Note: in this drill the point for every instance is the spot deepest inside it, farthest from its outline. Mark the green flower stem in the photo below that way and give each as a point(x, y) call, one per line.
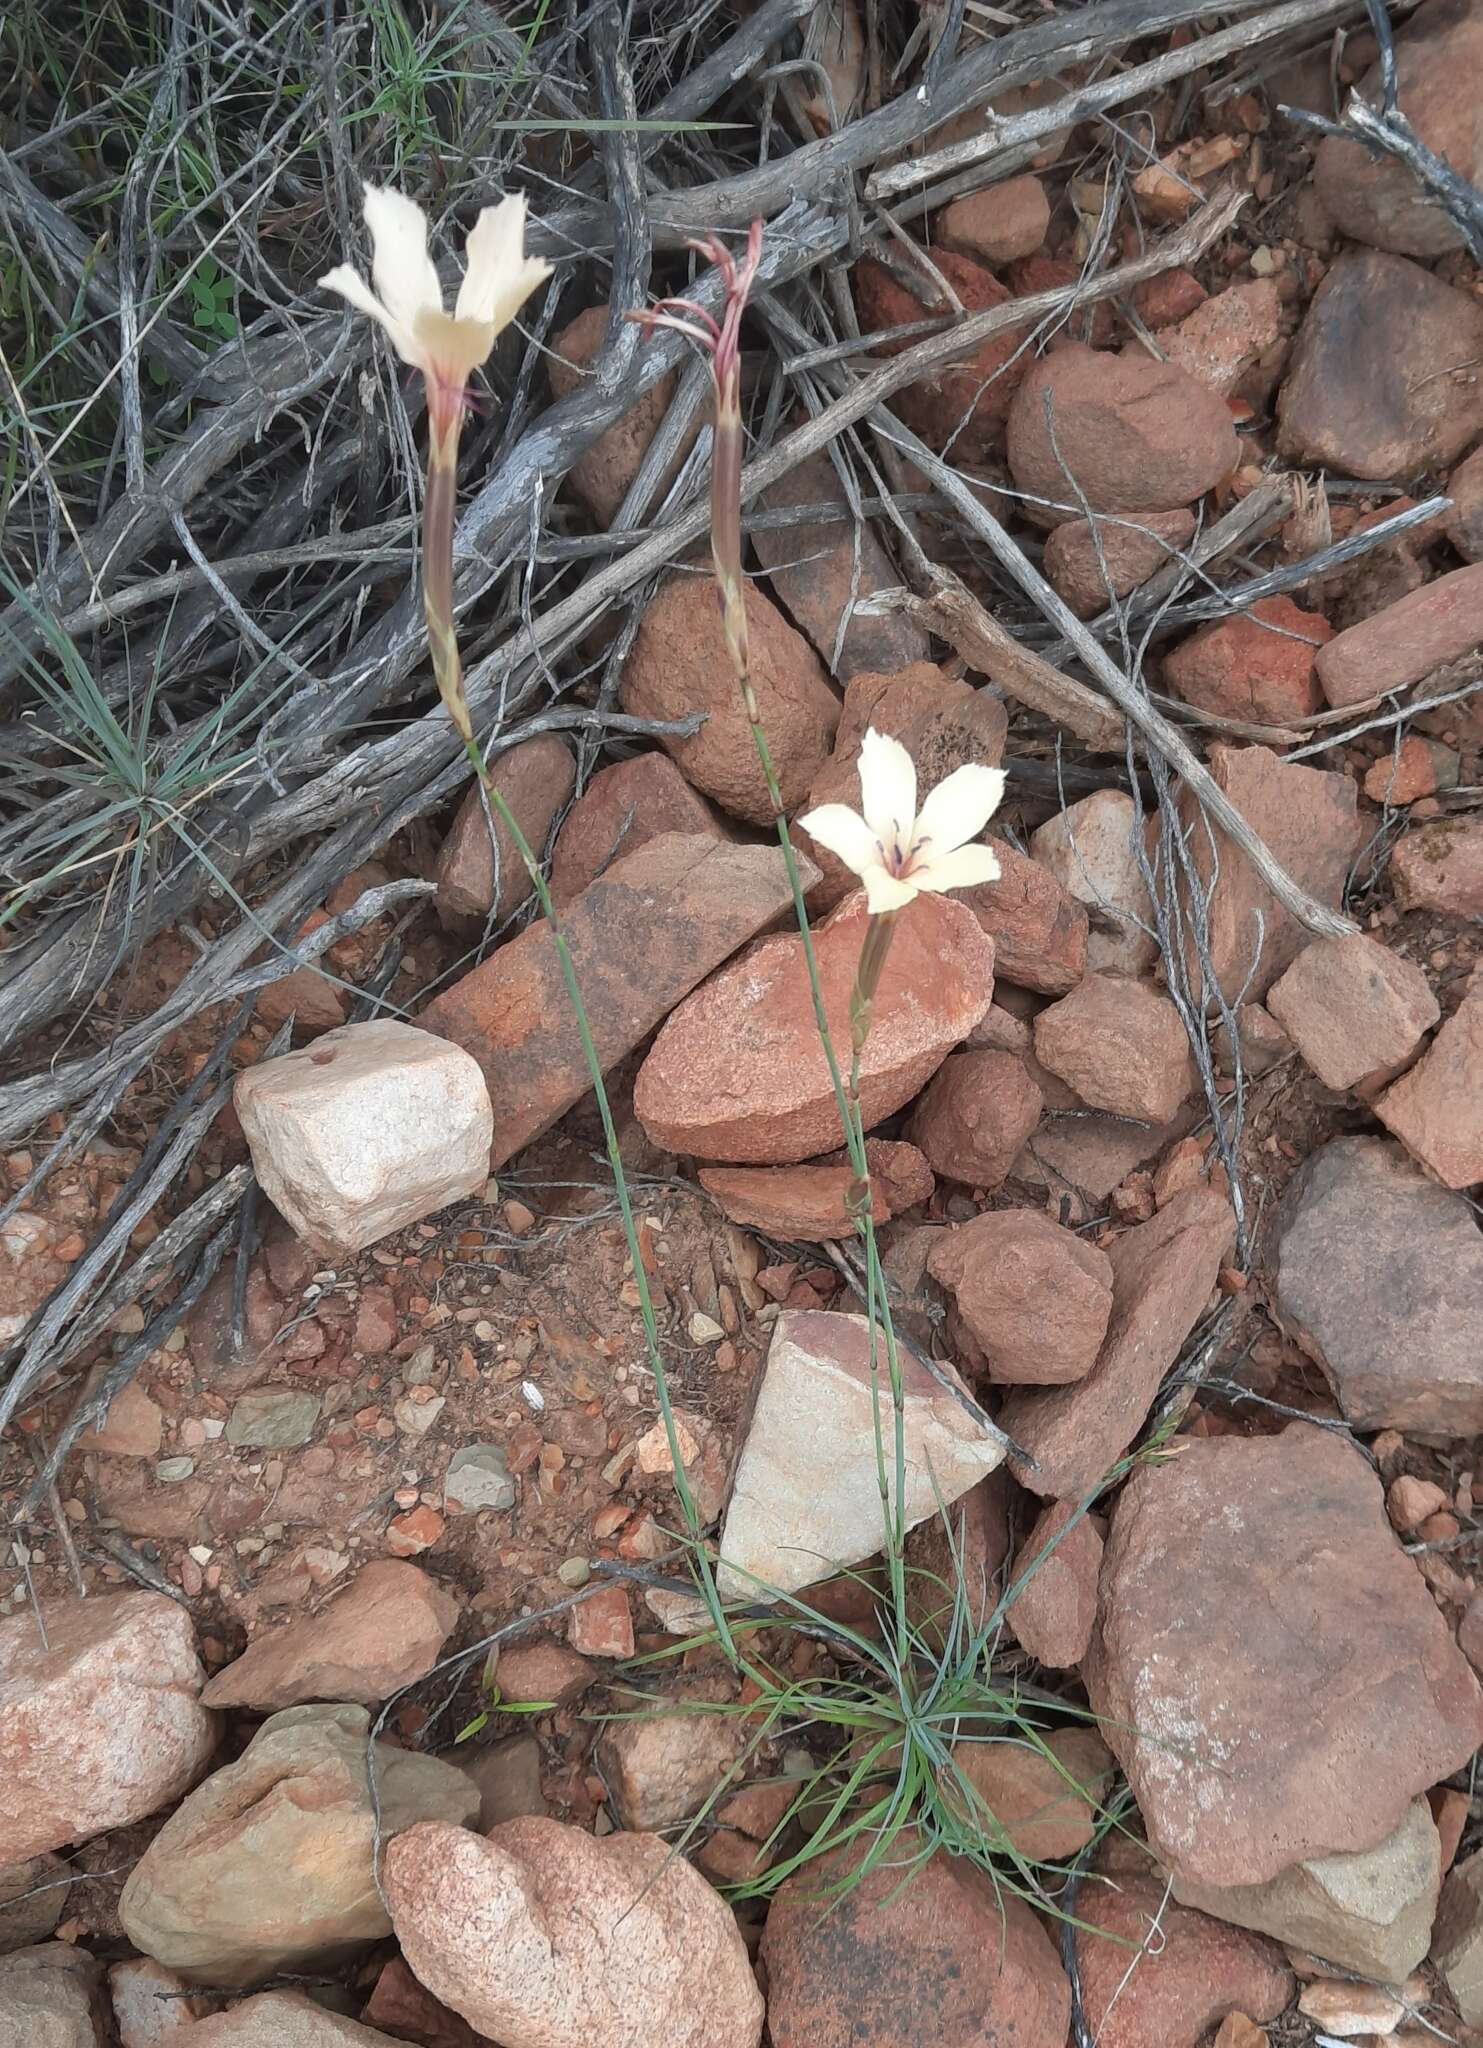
point(448, 672)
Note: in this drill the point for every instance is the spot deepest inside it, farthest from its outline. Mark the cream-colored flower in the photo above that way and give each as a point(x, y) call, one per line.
point(408, 300)
point(897, 850)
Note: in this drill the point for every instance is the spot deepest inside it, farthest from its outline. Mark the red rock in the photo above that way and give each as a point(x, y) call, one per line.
point(1131, 551)
point(132, 1426)
point(1137, 435)
point(1191, 1973)
point(641, 937)
point(1162, 1274)
point(942, 722)
point(1092, 848)
point(1282, 1539)
point(382, 1631)
point(377, 1324)
point(407, 2010)
point(101, 1722)
point(308, 995)
point(507, 1776)
point(975, 1115)
point(1470, 1633)
point(1170, 297)
point(1090, 326)
point(1045, 1798)
point(738, 1073)
point(1378, 1273)
point(958, 1555)
point(1392, 649)
point(602, 476)
point(543, 1937)
point(679, 664)
point(908, 1955)
point(1436, 1110)
point(1238, 669)
point(1036, 1298)
point(960, 403)
point(410, 1534)
point(622, 808)
point(809, 1202)
point(1120, 1045)
point(1039, 930)
point(1463, 525)
point(818, 571)
point(1440, 867)
point(1353, 1008)
point(1085, 1156)
point(543, 1670)
point(1052, 1618)
point(535, 779)
point(1409, 773)
point(1376, 385)
point(602, 1624)
point(1373, 197)
point(901, 1170)
point(997, 223)
point(1220, 340)
point(1309, 821)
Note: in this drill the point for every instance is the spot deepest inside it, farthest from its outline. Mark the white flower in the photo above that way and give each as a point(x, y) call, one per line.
point(897, 850)
point(408, 300)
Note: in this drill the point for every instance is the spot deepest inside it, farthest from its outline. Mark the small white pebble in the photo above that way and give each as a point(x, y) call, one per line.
point(531, 1394)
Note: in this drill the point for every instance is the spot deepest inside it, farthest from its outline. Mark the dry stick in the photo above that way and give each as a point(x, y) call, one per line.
point(1087, 100)
point(1157, 732)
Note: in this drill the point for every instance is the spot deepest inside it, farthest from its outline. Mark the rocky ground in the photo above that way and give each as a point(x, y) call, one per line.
point(343, 1680)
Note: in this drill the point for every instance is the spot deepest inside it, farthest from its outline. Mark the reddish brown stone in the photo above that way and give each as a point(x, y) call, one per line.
point(958, 1555)
point(1436, 1110)
point(383, 1631)
point(738, 1073)
point(1464, 523)
point(1077, 325)
point(1137, 435)
point(622, 808)
point(1399, 646)
point(377, 1324)
point(1170, 297)
point(1239, 669)
point(407, 2011)
point(1035, 1298)
point(931, 1953)
point(1051, 1619)
point(679, 664)
point(542, 1669)
point(1044, 1798)
point(1378, 383)
point(1308, 819)
point(1353, 1008)
point(1191, 1973)
point(1039, 931)
point(997, 223)
point(817, 572)
point(1220, 340)
point(942, 722)
point(1440, 867)
point(960, 402)
point(1280, 1539)
point(535, 779)
point(974, 1117)
point(641, 937)
point(602, 1624)
point(1410, 772)
point(1120, 1045)
point(811, 1202)
point(308, 995)
point(1131, 550)
point(1162, 1275)
point(602, 476)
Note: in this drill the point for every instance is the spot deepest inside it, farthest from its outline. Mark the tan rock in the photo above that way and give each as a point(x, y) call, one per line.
point(1091, 849)
point(32, 1895)
point(998, 222)
point(535, 779)
point(1035, 1297)
point(543, 1937)
point(1369, 1910)
point(1051, 1618)
point(267, 1866)
point(151, 2005)
point(641, 936)
point(1391, 649)
point(1120, 1045)
point(1225, 335)
point(132, 1427)
point(1441, 867)
point(806, 1499)
point(1353, 1008)
point(102, 1723)
point(661, 1768)
point(1083, 558)
point(373, 1127)
point(1045, 1798)
point(679, 664)
point(380, 1632)
point(1457, 1946)
point(284, 2019)
point(737, 1073)
point(52, 1997)
point(1436, 1110)
point(542, 1669)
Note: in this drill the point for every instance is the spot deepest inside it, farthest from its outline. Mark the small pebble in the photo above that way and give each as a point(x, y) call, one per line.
point(169, 1470)
point(574, 1572)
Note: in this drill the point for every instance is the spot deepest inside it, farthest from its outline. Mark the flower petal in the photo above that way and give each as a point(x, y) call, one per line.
point(454, 348)
point(499, 277)
point(352, 286)
point(401, 269)
point(888, 791)
point(958, 809)
point(845, 834)
point(962, 867)
point(884, 891)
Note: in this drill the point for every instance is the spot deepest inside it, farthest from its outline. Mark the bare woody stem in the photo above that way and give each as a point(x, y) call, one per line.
point(439, 508)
